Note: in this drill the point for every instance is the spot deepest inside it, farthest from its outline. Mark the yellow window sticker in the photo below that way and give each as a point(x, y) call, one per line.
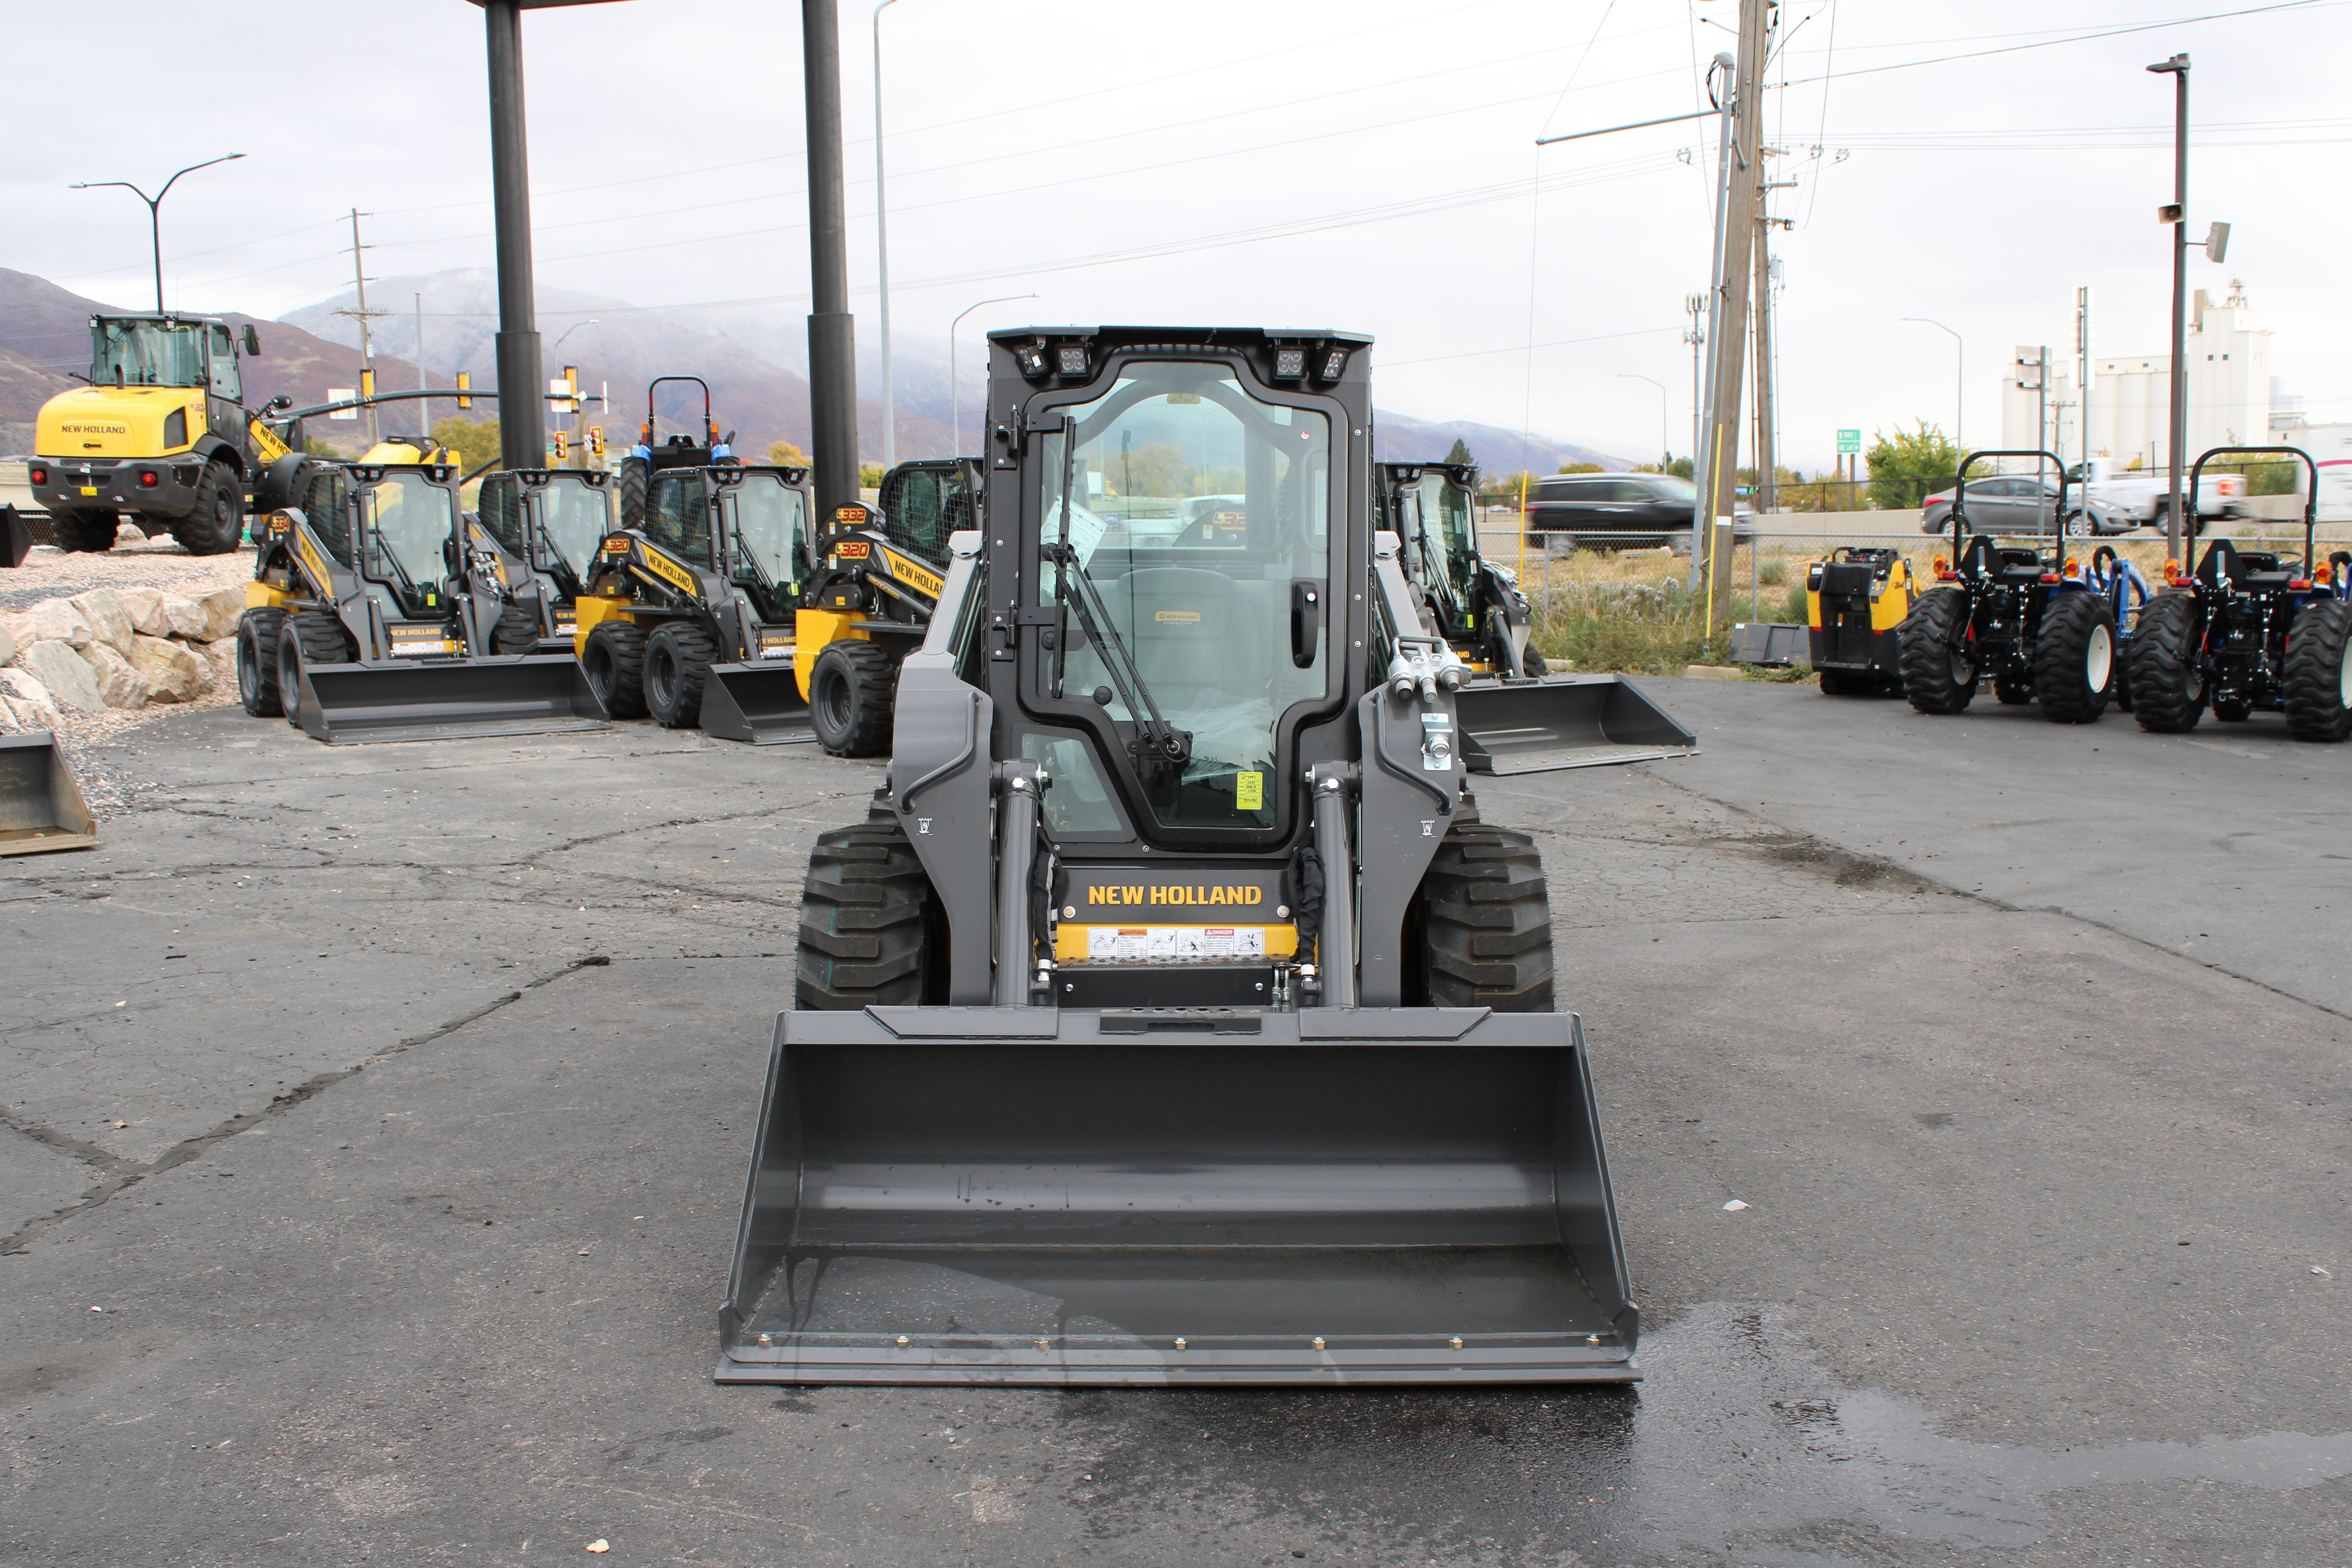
point(1249, 792)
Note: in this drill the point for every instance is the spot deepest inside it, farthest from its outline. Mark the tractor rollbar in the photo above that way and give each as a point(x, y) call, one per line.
point(1960, 495)
point(2310, 490)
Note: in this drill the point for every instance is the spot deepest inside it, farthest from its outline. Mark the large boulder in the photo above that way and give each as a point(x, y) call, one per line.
point(173, 674)
point(52, 620)
point(222, 654)
point(64, 675)
point(184, 617)
point(127, 534)
point(8, 644)
point(103, 609)
point(223, 607)
point(24, 693)
point(120, 684)
point(145, 608)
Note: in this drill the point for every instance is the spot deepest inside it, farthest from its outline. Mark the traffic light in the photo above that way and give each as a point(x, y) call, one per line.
point(561, 447)
point(464, 381)
point(596, 442)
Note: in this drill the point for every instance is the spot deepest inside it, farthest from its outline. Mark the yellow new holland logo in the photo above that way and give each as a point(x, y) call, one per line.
point(914, 573)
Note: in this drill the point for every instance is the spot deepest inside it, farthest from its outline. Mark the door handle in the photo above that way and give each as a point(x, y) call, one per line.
point(1306, 620)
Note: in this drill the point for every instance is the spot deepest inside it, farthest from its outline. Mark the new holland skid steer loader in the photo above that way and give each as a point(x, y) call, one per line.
point(877, 583)
point(548, 524)
point(379, 612)
point(689, 617)
point(1433, 509)
point(1173, 1017)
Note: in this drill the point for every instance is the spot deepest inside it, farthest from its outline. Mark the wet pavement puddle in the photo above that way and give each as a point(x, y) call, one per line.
point(1736, 1449)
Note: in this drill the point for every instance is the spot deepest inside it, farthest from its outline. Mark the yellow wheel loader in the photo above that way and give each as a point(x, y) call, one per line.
point(380, 612)
point(1173, 1016)
point(688, 617)
point(161, 436)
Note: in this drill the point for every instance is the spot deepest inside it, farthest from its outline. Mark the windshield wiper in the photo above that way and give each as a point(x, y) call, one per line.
point(1074, 590)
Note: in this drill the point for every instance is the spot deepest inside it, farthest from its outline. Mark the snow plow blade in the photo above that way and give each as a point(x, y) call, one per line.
point(1564, 721)
point(529, 694)
point(40, 805)
point(1169, 1197)
point(761, 703)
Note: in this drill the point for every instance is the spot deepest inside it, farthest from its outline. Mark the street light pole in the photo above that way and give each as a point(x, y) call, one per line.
point(882, 256)
point(1960, 382)
point(156, 210)
point(955, 403)
point(2177, 67)
point(1665, 451)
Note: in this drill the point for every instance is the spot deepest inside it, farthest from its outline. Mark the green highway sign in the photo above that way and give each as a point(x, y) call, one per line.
point(1849, 441)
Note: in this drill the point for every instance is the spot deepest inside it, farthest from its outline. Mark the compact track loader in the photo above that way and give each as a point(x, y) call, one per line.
point(1173, 1017)
point(2248, 631)
point(877, 585)
point(652, 454)
point(689, 617)
point(380, 612)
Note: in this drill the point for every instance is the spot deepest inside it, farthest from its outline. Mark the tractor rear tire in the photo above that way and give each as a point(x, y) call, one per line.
point(84, 528)
point(614, 663)
point(257, 631)
point(2075, 658)
point(852, 688)
point(636, 475)
point(1939, 676)
point(871, 933)
point(2319, 672)
point(2168, 682)
point(517, 631)
point(678, 656)
point(215, 525)
point(1480, 931)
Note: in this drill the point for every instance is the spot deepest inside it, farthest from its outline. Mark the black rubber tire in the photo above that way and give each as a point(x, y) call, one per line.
point(1533, 662)
point(2011, 693)
point(2232, 712)
point(2076, 648)
point(215, 525)
point(1932, 676)
point(2167, 687)
point(1847, 683)
point(1480, 930)
point(629, 488)
point(870, 929)
point(2318, 670)
point(258, 632)
point(320, 638)
point(79, 530)
point(517, 630)
point(852, 688)
point(678, 656)
point(614, 663)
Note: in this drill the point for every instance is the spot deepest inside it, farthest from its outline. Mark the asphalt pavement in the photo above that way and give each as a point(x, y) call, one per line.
point(375, 1121)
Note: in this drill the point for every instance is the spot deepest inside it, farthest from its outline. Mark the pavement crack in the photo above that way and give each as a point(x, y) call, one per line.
point(119, 1175)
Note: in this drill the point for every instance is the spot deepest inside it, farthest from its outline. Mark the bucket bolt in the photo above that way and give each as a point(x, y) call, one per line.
point(1318, 1341)
point(903, 1341)
point(1179, 1342)
point(1456, 1342)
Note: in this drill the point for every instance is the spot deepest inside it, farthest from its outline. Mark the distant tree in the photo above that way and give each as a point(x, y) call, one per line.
point(1461, 454)
point(1582, 468)
point(869, 476)
point(1681, 469)
point(1506, 488)
point(319, 447)
point(473, 441)
point(1906, 465)
point(784, 455)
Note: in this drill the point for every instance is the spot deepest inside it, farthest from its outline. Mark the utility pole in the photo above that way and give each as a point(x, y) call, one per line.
point(882, 256)
point(833, 341)
point(1768, 442)
point(1695, 305)
point(2176, 214)
point(1737, 203)
point(423, 405)
point(2085, 374)
point(522, 411)
point(363, 315)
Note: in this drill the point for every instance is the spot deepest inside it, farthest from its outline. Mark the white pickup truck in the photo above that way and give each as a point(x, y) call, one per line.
point(2118, 497)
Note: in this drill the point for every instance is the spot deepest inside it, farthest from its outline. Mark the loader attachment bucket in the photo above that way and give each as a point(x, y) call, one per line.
point(40, 805)
point(529, 694)
point(1213, 1196)
point(761, 703)
point(1564, 721)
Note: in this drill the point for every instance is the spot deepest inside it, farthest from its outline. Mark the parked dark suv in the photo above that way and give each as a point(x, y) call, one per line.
point(1617, 511)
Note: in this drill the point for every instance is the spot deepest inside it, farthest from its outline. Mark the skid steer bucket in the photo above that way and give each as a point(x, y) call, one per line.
point(761, 703)
point(1564, 721)
point(40, 805)
point(532, 694)
point(1033, 1195)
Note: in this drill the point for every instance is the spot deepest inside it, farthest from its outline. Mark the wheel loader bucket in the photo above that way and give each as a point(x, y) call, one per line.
point(40, 805)
point(761, 703)
point(529, 694)
point(1564, 721)
point(1033, 1195)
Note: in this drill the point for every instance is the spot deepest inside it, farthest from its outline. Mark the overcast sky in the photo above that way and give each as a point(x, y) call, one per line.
point(1360, 164)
